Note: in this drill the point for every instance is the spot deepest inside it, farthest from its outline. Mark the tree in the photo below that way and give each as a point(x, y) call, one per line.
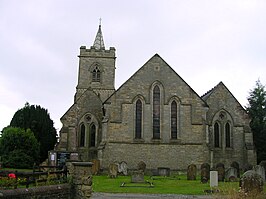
point(257, 112)
point(38, 120)
point(18, 148)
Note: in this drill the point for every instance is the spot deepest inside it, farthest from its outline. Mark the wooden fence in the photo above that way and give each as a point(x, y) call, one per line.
point(43, 174)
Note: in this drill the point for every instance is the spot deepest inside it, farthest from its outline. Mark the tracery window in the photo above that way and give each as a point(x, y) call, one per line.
point(216, 135)
point(156, 112)
point(138, 121)
point(96, 75)
point(82, 135)
point(227, 135)
point(173, 120)
point(92, 135)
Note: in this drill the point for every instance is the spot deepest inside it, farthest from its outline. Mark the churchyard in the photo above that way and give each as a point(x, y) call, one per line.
point(219, 181)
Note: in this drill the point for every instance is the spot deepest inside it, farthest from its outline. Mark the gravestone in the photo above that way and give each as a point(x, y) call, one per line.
point(251, 182)
point(221, 172)
point(260, 171)
point(236, 166)
point(95, 167)
point(141, 166)
point(122, 168)
point(231, 174)
point(213, 178)
point(113, 169)
point(205, 172)
point(137, 177)
point(263, 164)
point(192, 172)
point(164, 171)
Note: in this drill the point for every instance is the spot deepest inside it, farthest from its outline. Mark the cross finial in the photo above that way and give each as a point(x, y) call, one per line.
point(100, 21)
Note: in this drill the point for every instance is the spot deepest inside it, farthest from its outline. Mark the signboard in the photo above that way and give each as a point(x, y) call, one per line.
point(62, 157)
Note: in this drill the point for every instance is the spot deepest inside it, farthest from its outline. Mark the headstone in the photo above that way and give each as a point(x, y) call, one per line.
point(205, 172)
point(113, 169)
point(236, 166)
point(95, 167)
point(192, 172)
point(137, 176)
point(213, 178)
point(263, 164)
point(122, 168)
point(251, 182)
point(141, 166)
point(221, 172)
point(163, 171)
point(260, 170)
point(231, 174)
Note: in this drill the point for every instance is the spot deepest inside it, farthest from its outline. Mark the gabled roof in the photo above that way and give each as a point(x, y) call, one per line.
point(220, 84)
point(156, 55)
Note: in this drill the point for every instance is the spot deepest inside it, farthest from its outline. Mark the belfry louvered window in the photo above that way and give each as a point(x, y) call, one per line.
point(96, 75)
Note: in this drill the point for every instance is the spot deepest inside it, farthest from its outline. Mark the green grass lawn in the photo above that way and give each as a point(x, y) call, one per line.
point(162, 185)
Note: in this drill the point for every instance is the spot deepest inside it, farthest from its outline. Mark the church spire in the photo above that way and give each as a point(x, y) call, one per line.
point(98, 42)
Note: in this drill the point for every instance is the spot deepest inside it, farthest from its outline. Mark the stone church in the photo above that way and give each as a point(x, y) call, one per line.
point(155, 117)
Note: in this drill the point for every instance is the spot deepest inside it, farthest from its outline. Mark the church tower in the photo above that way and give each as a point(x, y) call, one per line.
point(96, 69)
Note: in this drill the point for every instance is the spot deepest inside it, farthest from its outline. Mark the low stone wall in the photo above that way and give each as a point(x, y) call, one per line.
point(48, 192)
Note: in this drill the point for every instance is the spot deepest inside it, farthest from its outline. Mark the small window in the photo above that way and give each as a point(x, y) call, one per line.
point(138, 124)
point(216, 135)
point(173, 120)
point(96, 75)
point(227, 135)
point(92, 136)
point(82, 136)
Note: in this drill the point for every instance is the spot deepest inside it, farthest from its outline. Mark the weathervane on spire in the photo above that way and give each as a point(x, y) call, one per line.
point(100, 21)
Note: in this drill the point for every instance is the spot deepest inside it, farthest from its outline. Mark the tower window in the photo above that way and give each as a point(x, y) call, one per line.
point(156, 112)
point(173, 120)
point(138, 124)
point(96, 75)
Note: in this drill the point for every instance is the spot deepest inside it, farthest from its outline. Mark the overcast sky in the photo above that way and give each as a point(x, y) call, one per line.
point(205, 42)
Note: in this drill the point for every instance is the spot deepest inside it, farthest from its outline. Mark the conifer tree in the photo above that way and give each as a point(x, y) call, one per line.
point(257, 112)
point(37, 119)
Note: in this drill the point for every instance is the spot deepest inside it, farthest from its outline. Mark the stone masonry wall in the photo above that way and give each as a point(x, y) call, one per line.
point(176, 157)
point(62, 191)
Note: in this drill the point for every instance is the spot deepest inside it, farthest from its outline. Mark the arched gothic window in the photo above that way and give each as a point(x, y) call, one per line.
point(156, 112)
point(216, 135)
point(173, 120)
point(82, 135)
point(92, 135)
point(227, 135)
point(138, 122)
point(96, 75)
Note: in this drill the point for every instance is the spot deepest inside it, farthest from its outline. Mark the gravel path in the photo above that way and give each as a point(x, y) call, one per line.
point(147, 196)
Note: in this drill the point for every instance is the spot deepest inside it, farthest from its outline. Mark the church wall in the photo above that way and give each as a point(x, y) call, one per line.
point(176, 157)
